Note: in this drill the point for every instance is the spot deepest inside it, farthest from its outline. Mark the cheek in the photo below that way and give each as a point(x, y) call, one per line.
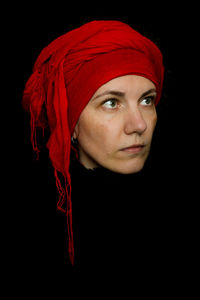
point(152, 123)
point(95, 134)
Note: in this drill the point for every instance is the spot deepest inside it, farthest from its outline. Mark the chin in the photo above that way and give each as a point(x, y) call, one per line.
point(128, 167)
point(130, 170)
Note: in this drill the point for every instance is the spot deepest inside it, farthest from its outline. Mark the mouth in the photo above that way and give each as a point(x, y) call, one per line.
point(137, 148)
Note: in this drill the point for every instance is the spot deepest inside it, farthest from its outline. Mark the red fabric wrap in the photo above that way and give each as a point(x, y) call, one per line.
point(68, 72)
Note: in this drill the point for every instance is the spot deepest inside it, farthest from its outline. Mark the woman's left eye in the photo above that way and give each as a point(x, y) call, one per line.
point(110, 103)
point(148, 101)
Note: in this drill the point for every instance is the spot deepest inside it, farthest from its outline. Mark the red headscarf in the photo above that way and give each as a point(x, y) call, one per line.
point(67, 73)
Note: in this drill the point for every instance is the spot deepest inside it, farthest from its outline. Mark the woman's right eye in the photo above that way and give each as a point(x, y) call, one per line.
point(110, 103)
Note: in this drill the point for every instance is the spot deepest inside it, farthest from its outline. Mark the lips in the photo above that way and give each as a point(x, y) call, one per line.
point(136, 148)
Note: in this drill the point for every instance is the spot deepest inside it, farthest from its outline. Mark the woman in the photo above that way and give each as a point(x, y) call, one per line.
point(96, 88)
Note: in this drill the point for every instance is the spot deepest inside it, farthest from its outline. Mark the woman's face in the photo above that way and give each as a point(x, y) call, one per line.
point(115, 129)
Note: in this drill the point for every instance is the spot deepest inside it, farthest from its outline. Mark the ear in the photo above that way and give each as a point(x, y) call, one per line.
point(76, 131)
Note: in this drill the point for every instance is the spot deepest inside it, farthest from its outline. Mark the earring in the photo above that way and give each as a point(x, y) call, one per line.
point(73, 140)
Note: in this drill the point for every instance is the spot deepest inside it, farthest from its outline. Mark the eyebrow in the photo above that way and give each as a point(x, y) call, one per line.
point(121, 94)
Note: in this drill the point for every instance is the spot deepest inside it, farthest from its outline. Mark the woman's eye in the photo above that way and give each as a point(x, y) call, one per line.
point(111, 103)
point(148, 101)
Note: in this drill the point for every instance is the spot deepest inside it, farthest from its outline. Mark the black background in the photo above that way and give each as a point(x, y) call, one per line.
point(29, 29)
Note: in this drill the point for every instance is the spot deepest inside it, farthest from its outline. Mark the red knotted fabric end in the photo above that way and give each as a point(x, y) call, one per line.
point(65, 195)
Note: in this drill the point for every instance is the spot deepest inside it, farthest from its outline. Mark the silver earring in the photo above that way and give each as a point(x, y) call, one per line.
point(73, 140)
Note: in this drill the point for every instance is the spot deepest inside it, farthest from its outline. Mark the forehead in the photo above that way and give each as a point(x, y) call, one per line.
point(127, 83)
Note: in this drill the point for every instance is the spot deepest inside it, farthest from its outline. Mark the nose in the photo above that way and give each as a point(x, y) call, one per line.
point(135, 122)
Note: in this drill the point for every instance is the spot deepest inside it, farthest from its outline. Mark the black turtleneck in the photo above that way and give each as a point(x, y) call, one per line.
point(136, 222)
point(120, 221)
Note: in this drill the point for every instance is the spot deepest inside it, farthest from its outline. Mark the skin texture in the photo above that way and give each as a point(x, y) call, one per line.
point(118, 116)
